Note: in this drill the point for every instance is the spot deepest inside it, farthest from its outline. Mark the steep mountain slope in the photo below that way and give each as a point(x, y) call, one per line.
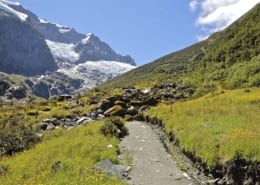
point(89, 47)
point(65, 60)
point(230, 57)
point(22, 48)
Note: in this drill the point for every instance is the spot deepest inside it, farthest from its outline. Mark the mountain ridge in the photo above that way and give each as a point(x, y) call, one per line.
point(54, 58)
point(235, 50)
point(63, 34)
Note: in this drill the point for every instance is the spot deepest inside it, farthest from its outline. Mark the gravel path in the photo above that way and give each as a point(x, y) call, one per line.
point(152, 165)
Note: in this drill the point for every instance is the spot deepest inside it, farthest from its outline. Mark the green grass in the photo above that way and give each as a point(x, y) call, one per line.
point(78, 150)
point(217, 127)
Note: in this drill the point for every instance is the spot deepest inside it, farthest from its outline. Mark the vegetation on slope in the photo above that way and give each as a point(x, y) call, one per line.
point(218, 127)
point(219, 59)
point(63, 157)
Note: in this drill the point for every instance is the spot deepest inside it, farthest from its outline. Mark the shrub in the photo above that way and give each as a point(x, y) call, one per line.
point(16, 138)
point(114, 127)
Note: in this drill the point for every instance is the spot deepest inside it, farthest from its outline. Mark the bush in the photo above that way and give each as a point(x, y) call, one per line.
point(114, 127)
point(16, 138)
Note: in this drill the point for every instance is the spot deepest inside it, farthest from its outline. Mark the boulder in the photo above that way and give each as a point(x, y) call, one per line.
point(43, 126)
point(132, 111)
point(150, 101)
point(104, 105)
point(113, 99)
point(116, 111)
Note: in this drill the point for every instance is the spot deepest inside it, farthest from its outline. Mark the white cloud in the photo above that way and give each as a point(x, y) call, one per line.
point(216, 15)
point(194, 5)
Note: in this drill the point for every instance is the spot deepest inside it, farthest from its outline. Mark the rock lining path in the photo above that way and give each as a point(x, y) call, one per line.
point(152, 165)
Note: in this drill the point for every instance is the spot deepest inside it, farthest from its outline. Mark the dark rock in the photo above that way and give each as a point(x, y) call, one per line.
point(132, 111)
point(150, 101)
point(17, 92)
point(43, 126)
point(3, 87)
point(138, 118)
point(41, 89)
point(23, 49)
point(104, 105)
point(113, 99)
point(64, 97)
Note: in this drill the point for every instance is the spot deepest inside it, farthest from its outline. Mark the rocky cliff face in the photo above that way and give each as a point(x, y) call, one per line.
point(89, 47)
point(56, 59)
point(12, 88)
point(22, 48)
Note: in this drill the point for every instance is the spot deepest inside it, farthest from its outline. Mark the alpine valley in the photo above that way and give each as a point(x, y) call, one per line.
point(190, 117)
point(45, 59)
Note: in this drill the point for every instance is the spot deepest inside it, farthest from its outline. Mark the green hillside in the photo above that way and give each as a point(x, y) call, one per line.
point(230, 57)
point(217, 126)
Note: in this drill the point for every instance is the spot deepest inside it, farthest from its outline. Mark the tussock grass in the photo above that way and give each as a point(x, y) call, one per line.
point(63, 157)
point(217, 127)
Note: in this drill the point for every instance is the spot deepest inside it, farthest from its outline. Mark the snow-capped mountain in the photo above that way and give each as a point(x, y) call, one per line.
point(81, 57)
point(87, 46)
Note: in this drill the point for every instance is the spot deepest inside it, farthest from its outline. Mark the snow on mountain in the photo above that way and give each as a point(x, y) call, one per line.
point(87, 38)
point(63, 52)
point(94, 73)
point(84, 60)
point(5, 6)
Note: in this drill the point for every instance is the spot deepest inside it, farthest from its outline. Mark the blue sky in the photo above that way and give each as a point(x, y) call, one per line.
point(144, 29)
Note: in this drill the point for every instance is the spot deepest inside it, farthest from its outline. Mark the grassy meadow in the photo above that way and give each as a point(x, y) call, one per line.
point(217, 127)
point(63, 157)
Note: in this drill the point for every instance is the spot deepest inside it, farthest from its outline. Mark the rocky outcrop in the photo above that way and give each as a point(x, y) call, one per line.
point(133, 102)
point(12, 90)
point(54, 84)
point(70, 122)
point(22, 48)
